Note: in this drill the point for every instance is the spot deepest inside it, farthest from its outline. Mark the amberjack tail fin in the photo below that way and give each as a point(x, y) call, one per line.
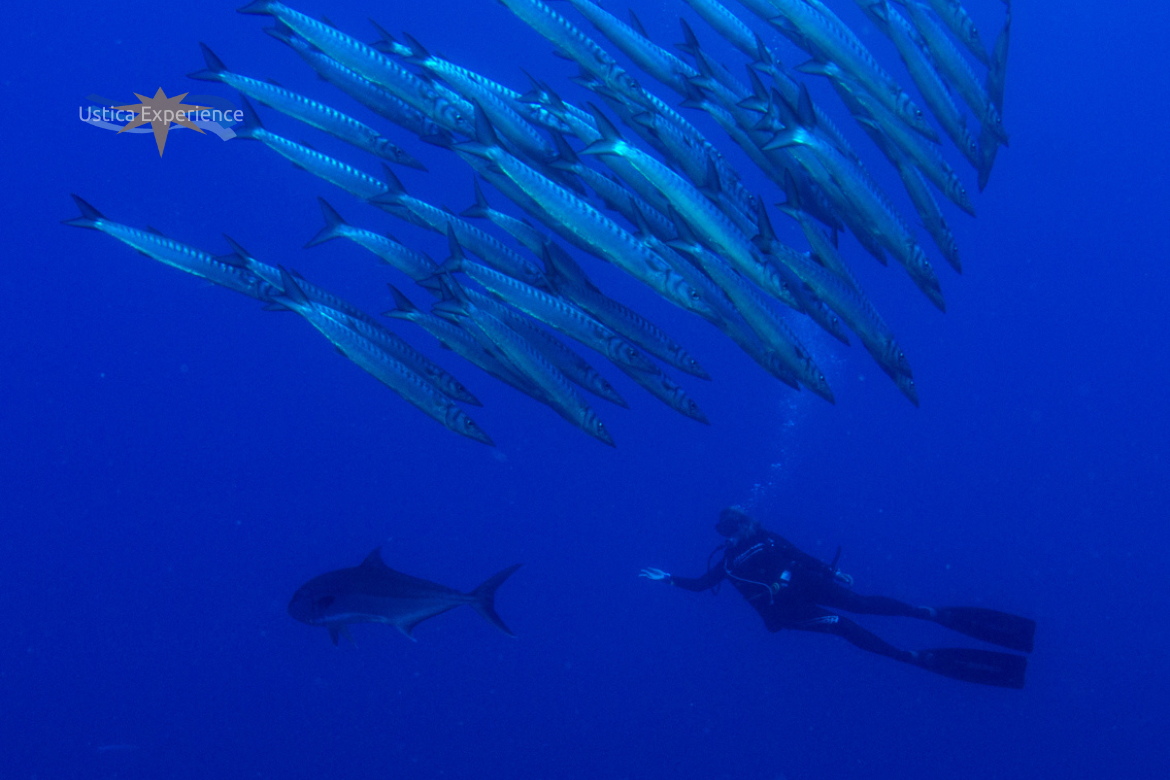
point(334, 224)
point(89, 215)
point(215, 67)
point(485, 603)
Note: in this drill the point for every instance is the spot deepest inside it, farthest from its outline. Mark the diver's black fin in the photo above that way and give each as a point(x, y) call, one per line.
point(999, 628)
point(486, 595)
point(985, 667)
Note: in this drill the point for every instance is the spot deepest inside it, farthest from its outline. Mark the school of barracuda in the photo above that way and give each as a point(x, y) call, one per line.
point(674, 213)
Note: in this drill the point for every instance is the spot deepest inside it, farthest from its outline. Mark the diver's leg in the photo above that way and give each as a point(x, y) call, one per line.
point(837, 596)
point(825, 622)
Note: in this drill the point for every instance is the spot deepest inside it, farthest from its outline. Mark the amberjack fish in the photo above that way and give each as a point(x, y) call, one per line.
point(307, 110)
point(376, 361)
point(375, 593)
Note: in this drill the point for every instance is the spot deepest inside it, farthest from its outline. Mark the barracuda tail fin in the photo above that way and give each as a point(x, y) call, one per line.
point(251, 124)
point(260, 7)
point(403, 308)
point(610, 137)
point(89, 215)
point(486, 598)
point(418, 52)
point(690, 44)
point(281, 32)
point(792, 206)
point(334, 224)
point(215, 67)
point(759, 100)
point(394, 193)
point(239, 257)
point(766, 236)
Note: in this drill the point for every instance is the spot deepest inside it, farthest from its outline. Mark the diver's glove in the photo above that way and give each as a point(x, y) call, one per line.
point(657, 575)
point(843, 578)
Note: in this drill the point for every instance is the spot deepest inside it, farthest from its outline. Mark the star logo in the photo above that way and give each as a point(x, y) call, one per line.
point(160, 112)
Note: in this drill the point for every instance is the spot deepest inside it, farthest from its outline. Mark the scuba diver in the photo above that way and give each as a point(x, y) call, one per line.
point(791, 589)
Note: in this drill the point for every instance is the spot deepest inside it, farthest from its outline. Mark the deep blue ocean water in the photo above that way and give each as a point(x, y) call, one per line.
point(176, 462)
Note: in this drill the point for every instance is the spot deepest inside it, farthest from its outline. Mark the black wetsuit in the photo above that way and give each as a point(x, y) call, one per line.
point(790, 589)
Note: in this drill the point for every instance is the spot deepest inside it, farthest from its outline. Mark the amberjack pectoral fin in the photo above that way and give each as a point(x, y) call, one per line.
point(406, 629)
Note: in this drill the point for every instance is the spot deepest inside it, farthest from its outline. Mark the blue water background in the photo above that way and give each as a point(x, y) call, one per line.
point(177, 461)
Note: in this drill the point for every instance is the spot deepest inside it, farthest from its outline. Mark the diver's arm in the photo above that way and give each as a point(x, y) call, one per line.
point(709, 580)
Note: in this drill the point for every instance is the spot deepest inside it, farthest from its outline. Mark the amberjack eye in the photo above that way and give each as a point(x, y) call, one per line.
point(322, 603)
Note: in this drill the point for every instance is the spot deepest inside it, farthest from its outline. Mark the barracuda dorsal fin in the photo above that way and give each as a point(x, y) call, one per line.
point(686, 237)
point(566, 158)
point(636, 23)
point(690, 44)
point(561, 264)
point(386, 37)
point(456, 257)
point(766, 235)
point(154, 231)
point(418, 53)
point(394, 189)
point(805, 113)
point(485, 134)
point(403, 308)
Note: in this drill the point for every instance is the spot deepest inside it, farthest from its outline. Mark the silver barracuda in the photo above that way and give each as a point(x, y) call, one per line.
point(828, 40)
point(921, 153)
point(845, 297)
point(473, 87)
point(484, 245)
point(559, 393)
point(367, 62)
point(376, 361)
point(601, 234)
point(954, 68)
point(570, 281)
point(531, 238)
point(955, 17)
point(366, 326)
point(389, 250)
point(575, 368)
point(703, 216)
point(727, 24)
point(647, 55)
point(552, 311)
point(988, 141)
point(306, 110)
point(767, 324)
point(323, 166)
point(377, 99)
point(925, 75)
point(459, 341)
point(575, 45)
point(227, 271)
